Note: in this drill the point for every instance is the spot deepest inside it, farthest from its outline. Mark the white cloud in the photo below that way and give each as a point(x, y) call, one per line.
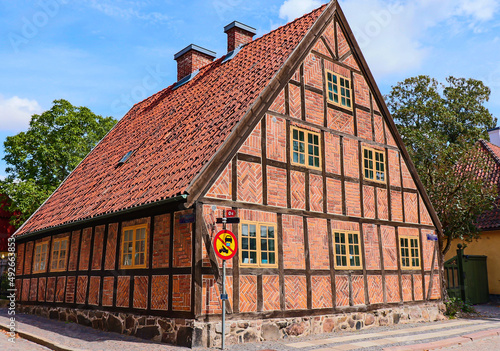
point(15, 113)
point(395, 35)
point(128, 11)
point(480, 10)
point(292, 9)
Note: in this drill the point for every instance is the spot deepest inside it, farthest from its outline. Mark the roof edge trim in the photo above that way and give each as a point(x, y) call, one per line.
point(195, 48)
point(104, 216)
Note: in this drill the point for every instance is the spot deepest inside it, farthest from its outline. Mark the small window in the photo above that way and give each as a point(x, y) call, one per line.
point(305, 148)
point(258, 245)
point(374, 165)
point(126, 157)
point(410, 257)
point(59, 254)
point(133, 254)
point(347, 250)
point(339, 90)
point(40, 263)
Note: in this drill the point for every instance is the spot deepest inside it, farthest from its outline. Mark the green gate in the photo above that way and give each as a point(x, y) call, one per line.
point(467, 277)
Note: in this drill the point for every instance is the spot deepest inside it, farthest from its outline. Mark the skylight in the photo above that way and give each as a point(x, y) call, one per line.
point(126, 157)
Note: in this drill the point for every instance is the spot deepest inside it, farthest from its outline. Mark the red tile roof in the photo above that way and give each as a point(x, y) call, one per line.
point(491, 219)
point(174, 134)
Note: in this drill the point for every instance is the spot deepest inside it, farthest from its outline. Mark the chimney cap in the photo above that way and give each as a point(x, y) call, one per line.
point(241, 26)
point(195, 48)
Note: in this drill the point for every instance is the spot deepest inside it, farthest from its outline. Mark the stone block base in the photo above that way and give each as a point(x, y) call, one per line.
point(192, 333)
point(210, 334)
point(168, 330)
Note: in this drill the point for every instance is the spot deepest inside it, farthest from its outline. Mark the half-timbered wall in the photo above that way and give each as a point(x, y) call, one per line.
point(307, 204)
point(94, 279)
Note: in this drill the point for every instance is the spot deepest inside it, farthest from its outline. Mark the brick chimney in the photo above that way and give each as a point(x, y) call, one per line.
point(191, 58)
point(238, 34)
point(494, 136)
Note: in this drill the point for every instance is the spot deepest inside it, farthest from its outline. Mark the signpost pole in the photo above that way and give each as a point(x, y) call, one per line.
point(223, 289)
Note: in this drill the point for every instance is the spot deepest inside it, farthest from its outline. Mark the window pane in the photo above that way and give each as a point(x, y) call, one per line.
point(264, 257)
point(253, 230)
point(272, 258)
point(244, 243)
point(244, 257)
point(271, 245)
point(263, 244)
point(302, 159)
point(253, 257)
point(263, 232)
point(271, 232)
point(253, 244)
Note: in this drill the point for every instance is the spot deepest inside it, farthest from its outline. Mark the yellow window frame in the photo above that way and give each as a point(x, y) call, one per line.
point(258, 248)
point(339, 90)
point(347, 250)
point(58, 263)
point(129, 250)
point(409, 247)
point(40, 260)
point(374, 165)
point(308, 151)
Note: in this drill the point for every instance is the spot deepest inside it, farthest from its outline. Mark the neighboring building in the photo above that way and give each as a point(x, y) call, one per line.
point(6, 229)
point(489, 223)
point(289, 130)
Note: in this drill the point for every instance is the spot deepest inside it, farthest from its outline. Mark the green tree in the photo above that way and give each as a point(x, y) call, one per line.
point(41, 158)
point(440, 125)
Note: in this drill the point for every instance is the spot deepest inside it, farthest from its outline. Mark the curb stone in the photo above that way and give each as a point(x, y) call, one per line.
point(41, 341)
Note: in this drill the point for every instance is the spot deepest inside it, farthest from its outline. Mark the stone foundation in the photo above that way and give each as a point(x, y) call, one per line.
point(191, 333)
point(274, 329)
point(168, 330)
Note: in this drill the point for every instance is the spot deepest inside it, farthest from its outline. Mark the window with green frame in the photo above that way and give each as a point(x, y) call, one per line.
point(347, 250)
point(258, 245)
point(374, 164)
point(339, 90)
point(305, 148)
point(410, 257)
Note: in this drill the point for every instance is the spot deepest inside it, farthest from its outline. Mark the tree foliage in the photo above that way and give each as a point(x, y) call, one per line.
point(43, 156)
point(440, 125)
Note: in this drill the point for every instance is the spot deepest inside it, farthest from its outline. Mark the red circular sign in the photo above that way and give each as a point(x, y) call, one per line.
point(225, 244)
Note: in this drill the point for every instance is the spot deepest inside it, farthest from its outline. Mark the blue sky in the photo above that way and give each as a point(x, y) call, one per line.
point(107, 55)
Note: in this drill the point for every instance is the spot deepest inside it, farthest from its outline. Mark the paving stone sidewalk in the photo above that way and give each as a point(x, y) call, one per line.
point(423, 336)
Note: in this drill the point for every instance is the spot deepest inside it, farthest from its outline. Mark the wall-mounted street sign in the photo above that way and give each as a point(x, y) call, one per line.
point(225, 244)
point(187, 218)
point(432, 237)
point(228, 220)
point(231, 213)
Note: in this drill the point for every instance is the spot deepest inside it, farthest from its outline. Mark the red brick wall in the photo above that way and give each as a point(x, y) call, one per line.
point(29, 257)
point(85, 249)
point(107, 291)
point(123, 291)
point(321, 292)
point(183, 249)
point(276, 138)
point(249, 182)
point(75, 248)
point(252, 146)
point(98, 247)
point(81, 292)
point(271, 293)
point(19, 259)
point(293, 242)
point(222, 188)
point(109, 261)
point(276, 187)
point(161, 242)
point(70, 289)
point(295, 292)
point(141, 292)
point(318, 243)
point(181, 293)
point(159, 292)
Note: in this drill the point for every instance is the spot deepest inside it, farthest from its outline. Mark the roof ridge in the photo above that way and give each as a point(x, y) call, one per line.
point(488, 148)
